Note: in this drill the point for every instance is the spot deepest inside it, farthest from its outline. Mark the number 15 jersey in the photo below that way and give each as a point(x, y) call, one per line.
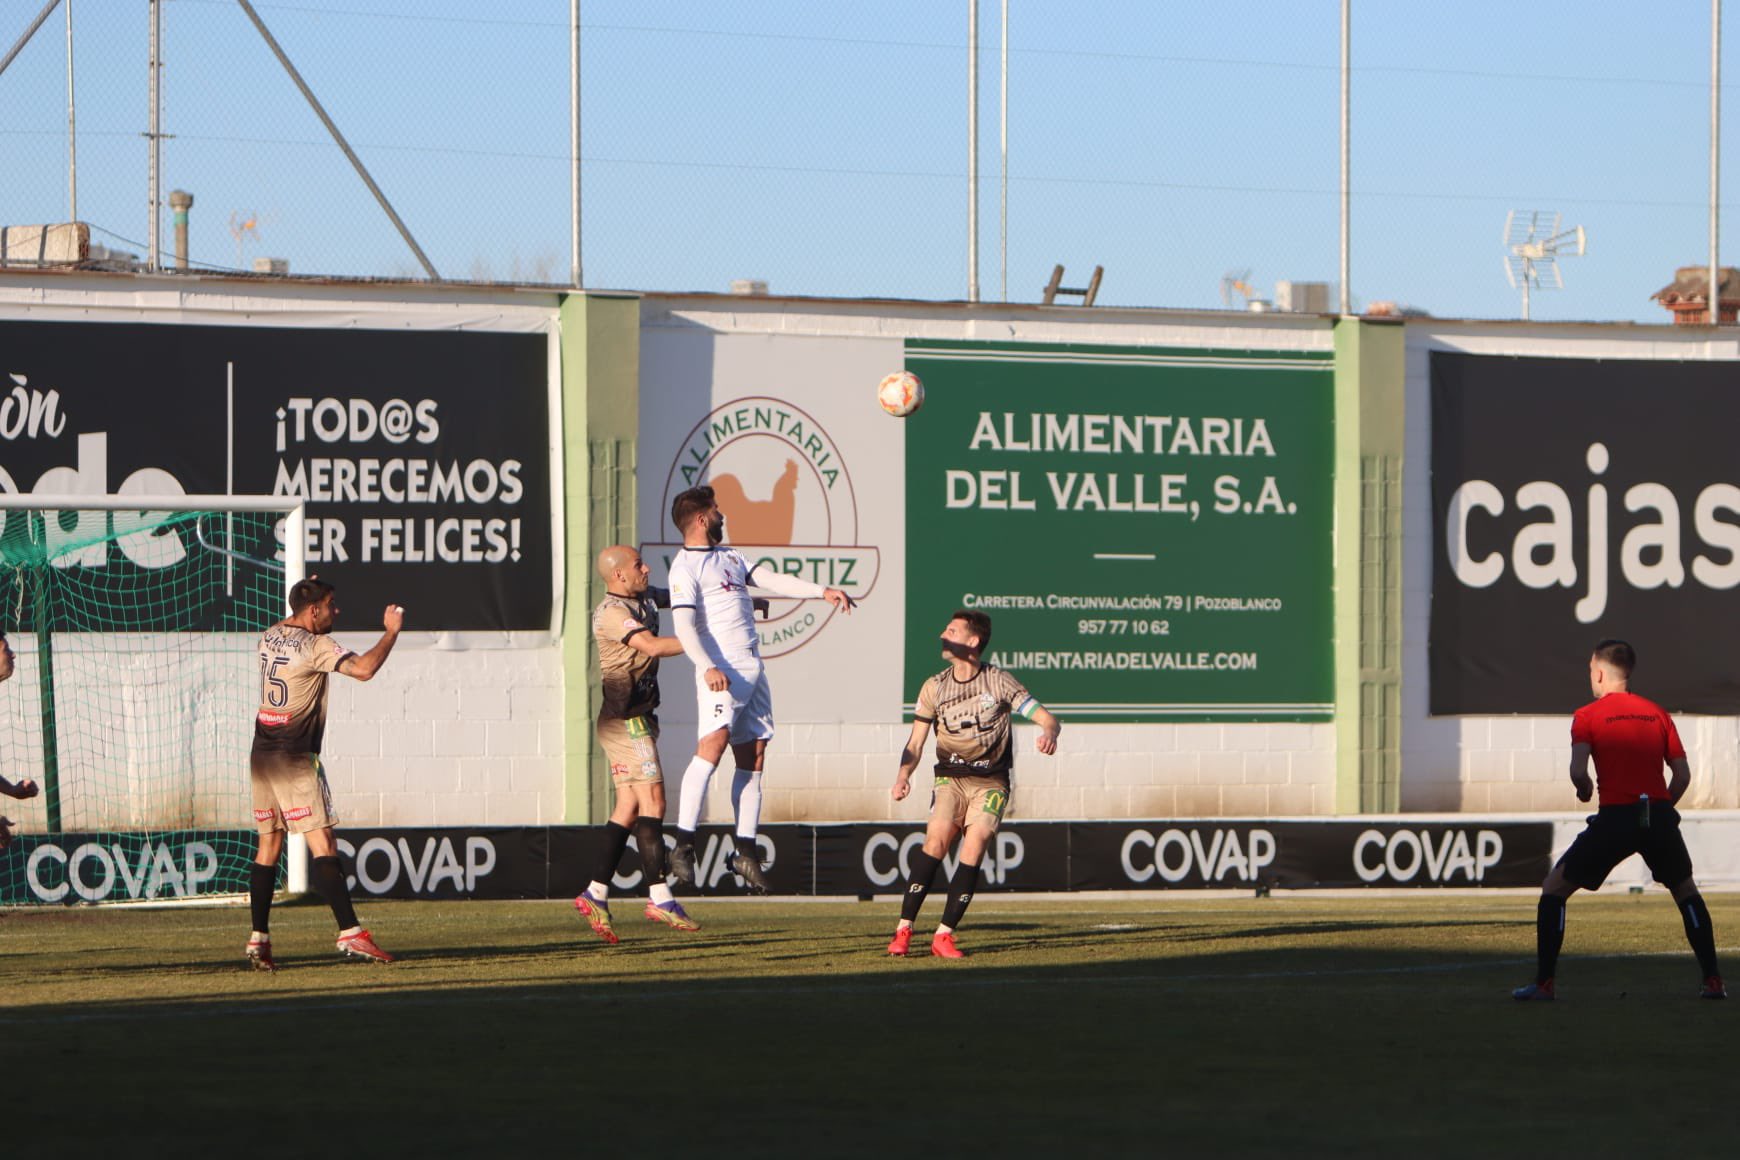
point(293, 667)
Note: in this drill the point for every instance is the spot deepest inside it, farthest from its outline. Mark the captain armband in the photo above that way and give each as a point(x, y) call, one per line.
point(1027, 708)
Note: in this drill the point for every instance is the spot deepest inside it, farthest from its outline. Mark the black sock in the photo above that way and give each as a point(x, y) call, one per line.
point(328, 878)
point(685, 837)
point(923, 873)
point(1700, 933)
point(1549, 935)
point(649, 835)
point(615, 842)
point(262, 881)
point(960, 895)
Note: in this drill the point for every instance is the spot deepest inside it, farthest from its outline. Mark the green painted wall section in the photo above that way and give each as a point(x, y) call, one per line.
point(600, 423)
point(1370, 405)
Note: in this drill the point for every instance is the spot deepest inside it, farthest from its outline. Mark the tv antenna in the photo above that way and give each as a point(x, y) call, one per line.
point(1533, 244)
point(1237, 283)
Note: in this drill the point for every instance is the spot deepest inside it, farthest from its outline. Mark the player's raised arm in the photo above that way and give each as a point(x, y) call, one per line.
point(21, 789)
point(363, 666)
point(909, 759)
point(781, 584)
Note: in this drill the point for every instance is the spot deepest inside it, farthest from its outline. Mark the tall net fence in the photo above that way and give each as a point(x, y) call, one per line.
point(1193, 151)
point(132, 700)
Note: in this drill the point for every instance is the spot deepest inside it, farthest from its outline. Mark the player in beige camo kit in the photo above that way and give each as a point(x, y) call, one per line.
point(289, 784)
point(625, 627)
point(970, 704)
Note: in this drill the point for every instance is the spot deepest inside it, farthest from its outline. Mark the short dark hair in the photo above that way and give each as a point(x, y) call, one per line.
point(1617, 653)
point(687, 503)
point(307, 592)
point(979, 623)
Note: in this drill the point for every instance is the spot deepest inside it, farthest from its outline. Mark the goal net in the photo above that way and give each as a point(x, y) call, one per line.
point(134, 688)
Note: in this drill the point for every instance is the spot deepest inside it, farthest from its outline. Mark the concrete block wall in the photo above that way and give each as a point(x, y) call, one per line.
point(449, 738)
point(840, 772)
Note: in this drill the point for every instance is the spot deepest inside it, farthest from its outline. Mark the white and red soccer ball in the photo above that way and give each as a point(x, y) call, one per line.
point(900, 394)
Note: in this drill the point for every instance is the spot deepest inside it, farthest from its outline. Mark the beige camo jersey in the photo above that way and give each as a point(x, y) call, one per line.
point(630, 677)
point(972, 720)
point(294, 664)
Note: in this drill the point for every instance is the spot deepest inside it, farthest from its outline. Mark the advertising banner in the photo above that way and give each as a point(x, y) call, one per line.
point(77, 868)
point(807, 470)
point(1150, 530)
point(423, 455)
point(1575, 500)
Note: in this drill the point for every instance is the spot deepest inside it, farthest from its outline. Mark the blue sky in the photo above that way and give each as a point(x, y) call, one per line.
point(822, 147)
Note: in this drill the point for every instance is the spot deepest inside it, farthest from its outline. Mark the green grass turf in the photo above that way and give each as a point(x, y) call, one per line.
point(1232, 1026)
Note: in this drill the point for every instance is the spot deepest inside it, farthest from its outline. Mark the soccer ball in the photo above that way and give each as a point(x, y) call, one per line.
point(900, 394)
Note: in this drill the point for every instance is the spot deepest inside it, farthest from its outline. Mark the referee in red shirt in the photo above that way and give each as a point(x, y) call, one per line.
point(1629, 737)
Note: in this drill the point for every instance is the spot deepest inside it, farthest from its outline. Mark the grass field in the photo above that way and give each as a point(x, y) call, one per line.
point(1247, 1026)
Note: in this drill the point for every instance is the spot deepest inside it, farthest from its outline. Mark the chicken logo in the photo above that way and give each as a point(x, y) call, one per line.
point(788, 504)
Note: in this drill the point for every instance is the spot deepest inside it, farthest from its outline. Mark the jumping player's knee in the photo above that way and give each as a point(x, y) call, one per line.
point(711, 746)
point(1685, 890)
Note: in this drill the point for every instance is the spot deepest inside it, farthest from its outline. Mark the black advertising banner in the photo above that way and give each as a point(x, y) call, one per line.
point(861, 859)
point(1574, 500)
point(423, 456)
point(1215, 854)
point(787, 858)
point(489, 862)
point(866, 858)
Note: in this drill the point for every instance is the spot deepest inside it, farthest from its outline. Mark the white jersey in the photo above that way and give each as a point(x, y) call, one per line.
point(715, 583)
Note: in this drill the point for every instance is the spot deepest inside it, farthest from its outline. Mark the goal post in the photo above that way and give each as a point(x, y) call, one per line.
point(135, 621)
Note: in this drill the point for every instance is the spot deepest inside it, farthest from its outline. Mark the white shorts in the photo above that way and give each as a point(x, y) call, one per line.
point(744, 706)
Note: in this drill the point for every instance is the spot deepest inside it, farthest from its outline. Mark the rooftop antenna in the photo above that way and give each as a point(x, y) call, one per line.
point(1533, 243)
point(1236, 282)
point(241, 229)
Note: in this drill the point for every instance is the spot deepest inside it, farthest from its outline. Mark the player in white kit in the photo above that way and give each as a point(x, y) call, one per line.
point(713, 615)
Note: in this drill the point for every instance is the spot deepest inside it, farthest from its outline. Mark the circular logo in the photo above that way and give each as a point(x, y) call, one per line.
point(788, 501)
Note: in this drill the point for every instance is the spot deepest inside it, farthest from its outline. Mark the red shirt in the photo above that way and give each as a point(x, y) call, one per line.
point(1630, 737)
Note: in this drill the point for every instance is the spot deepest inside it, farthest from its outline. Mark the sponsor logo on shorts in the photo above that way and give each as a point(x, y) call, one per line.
point(617, 769)
point(298, 813)
point(273, 717)
point(650, 768)
point(638, 727)
point(265, 815)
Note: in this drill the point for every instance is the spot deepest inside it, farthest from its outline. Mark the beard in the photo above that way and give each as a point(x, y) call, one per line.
point(716, 531)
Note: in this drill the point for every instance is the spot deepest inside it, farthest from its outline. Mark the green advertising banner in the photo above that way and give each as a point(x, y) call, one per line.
point(1150, 530)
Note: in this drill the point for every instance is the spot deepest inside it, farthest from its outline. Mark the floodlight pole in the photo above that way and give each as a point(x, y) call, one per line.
point(72, 134)
point(320, 111)
point(972, 150)
point(1346, 297)
point(1715, 158)
point(154, 154)
point(574, 268)
point(1003, 200)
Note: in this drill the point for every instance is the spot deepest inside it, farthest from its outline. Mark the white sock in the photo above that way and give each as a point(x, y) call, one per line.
point(694, 793)
point(659, 893)
point(350, 930)
point(746, 801)
point(941, 929)
point(259, 936)
point(599, 890)
point(903, 924)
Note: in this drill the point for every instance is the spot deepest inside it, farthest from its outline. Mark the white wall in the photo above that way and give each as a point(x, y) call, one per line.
point(1506, 764)
point(840, 737)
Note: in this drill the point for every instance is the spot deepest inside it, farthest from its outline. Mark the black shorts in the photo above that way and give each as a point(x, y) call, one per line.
point(1614, 834)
